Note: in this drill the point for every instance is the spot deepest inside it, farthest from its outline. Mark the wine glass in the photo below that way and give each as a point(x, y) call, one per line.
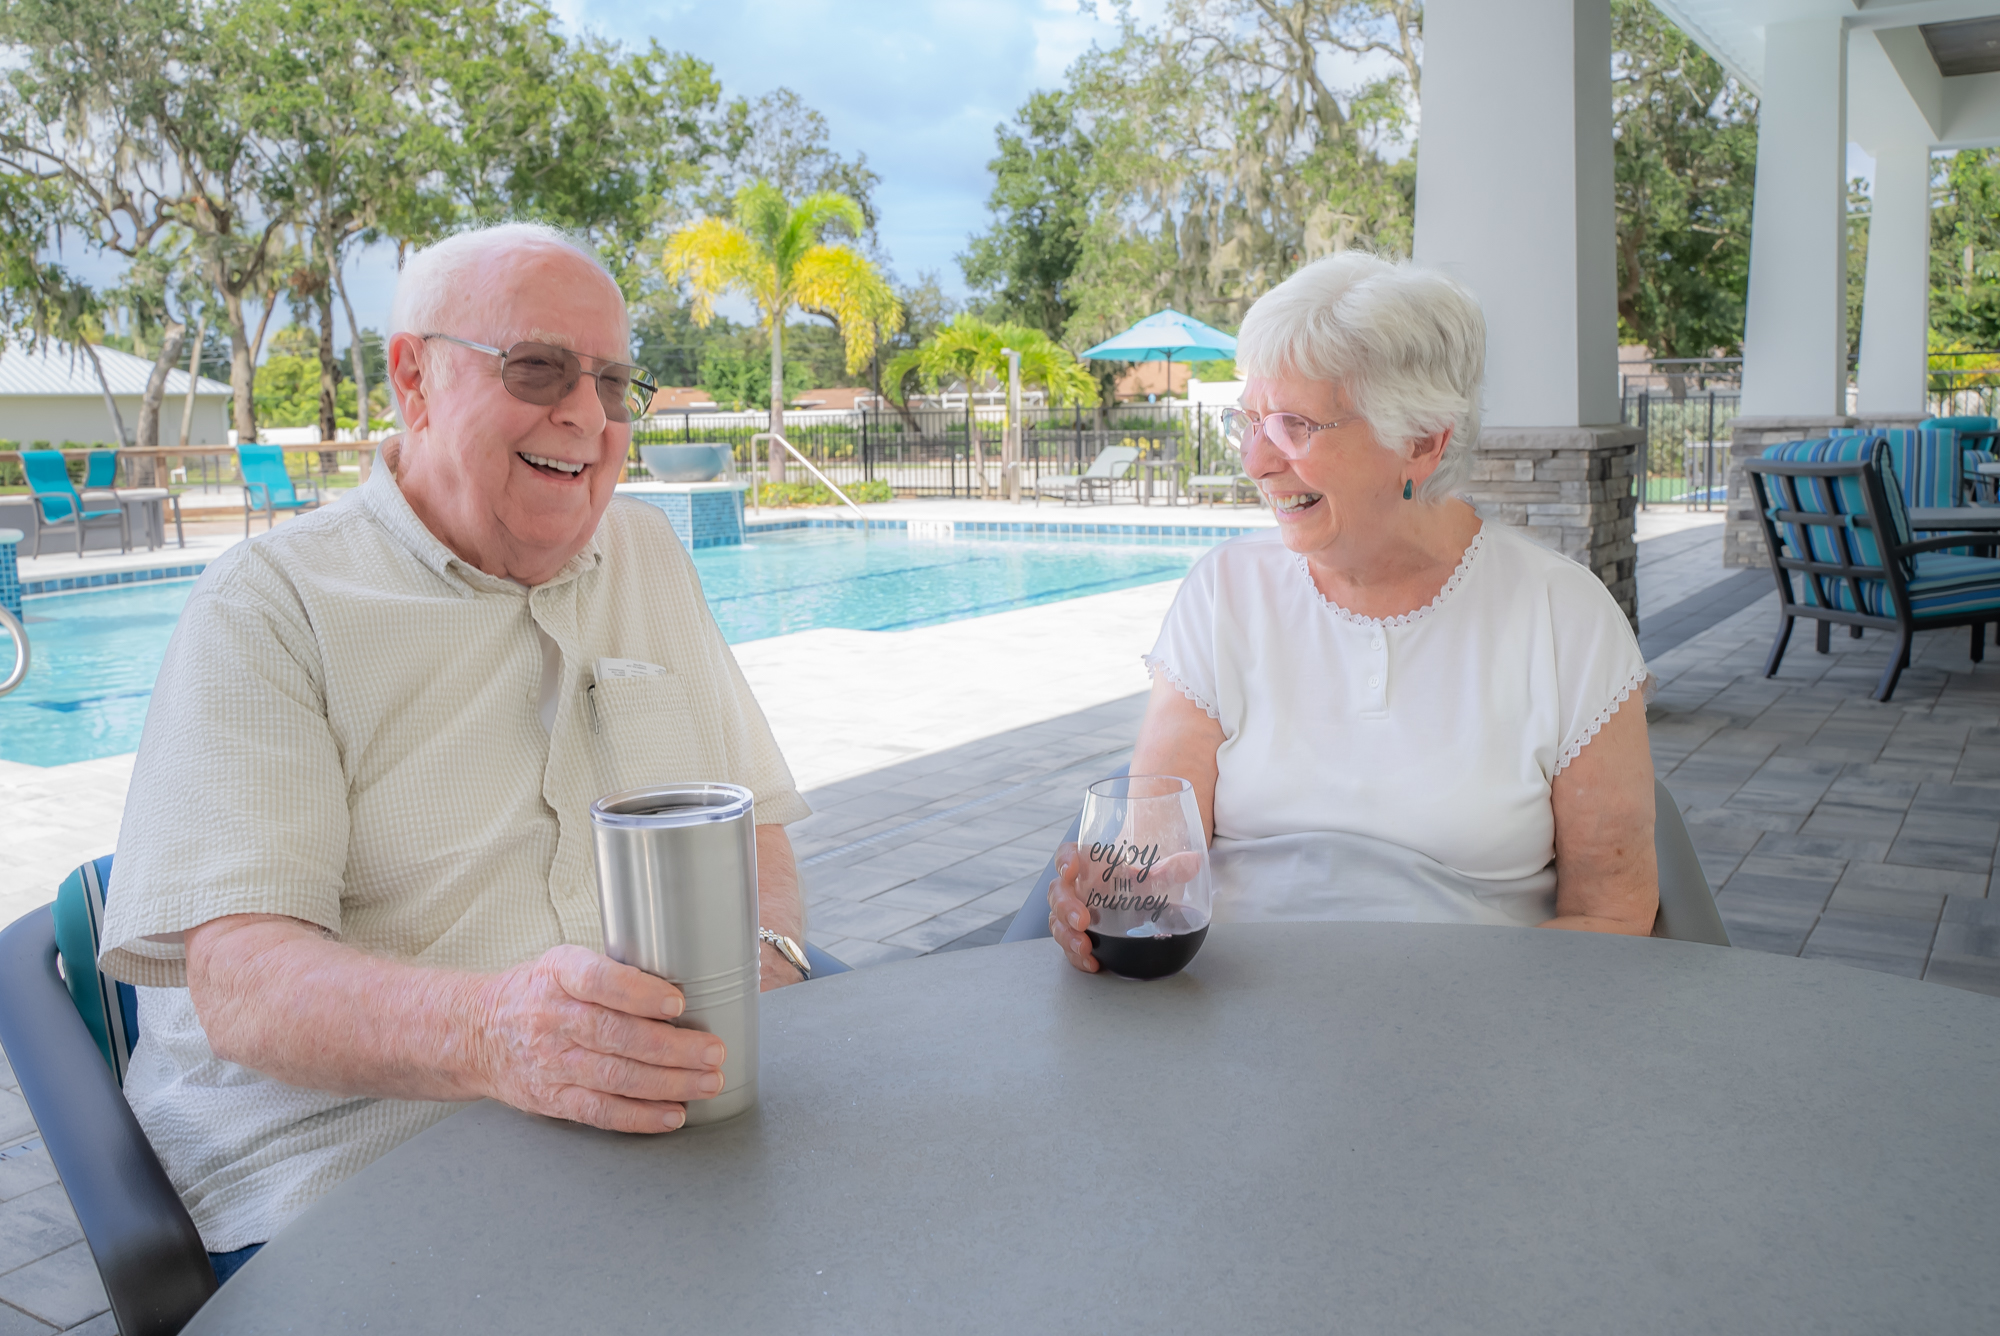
point(1142, 856)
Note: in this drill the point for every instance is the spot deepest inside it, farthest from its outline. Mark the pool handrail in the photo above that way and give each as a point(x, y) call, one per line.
point(846, 500)
point(20, 635)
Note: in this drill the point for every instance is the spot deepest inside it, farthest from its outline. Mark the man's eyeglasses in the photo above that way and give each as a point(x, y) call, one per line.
point(541, 373)
point(1289, 432)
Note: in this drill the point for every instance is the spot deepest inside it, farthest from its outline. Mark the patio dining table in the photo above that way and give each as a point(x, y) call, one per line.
point(1357, 1127)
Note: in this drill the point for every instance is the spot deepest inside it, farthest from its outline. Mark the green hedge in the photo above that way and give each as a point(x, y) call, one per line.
point(812, 494)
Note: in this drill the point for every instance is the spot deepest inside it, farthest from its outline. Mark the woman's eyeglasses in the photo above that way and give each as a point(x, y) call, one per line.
point(541, 373)
point(1290, 433)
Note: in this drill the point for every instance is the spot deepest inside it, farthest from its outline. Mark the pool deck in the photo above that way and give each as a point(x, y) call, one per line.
point(944, 763)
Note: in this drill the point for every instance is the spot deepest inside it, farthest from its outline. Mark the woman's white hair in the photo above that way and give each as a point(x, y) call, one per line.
point(1407, 345)
point(449, 287)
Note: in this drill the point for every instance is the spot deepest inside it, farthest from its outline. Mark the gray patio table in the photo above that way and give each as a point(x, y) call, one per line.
point(1347, 1127)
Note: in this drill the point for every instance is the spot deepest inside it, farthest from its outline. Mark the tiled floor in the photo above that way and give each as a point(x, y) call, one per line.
point(1831, 826)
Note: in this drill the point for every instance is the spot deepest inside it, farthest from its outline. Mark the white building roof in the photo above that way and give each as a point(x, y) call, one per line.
point(56, 369)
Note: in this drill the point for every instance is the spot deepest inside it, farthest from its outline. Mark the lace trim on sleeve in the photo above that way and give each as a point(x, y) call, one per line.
point(1155, 664)
point(1575, 749)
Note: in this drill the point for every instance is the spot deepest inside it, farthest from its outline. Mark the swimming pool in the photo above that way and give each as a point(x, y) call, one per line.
point(96, 654)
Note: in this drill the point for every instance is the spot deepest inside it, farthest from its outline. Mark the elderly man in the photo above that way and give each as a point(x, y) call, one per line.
point(355, 880)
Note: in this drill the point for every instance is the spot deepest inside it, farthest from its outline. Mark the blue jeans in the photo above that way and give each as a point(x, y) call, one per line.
point(229, 1263)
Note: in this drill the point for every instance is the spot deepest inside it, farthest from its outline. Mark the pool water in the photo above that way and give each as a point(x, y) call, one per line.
point(96, 654)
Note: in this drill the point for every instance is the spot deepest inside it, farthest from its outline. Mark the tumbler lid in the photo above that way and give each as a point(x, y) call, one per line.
point(664, 806)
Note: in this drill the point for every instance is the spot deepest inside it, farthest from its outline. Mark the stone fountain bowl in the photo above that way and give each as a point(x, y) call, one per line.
point(685, 463)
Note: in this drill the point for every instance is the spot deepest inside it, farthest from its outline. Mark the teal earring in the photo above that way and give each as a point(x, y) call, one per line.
point(1406, 489)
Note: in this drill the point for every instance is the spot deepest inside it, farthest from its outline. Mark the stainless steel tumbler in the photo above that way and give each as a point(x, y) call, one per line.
point(677, 883)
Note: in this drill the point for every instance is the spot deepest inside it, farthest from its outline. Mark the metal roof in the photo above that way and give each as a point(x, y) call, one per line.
point(56, 369)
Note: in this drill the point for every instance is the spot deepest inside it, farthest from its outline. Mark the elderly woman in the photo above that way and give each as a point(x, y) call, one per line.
point(1388, 708)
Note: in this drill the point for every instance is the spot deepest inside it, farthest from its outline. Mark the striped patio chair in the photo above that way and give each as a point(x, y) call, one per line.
point(110, 1009)
point(1978, 443)
point(1929, 462)
point(1835, 521)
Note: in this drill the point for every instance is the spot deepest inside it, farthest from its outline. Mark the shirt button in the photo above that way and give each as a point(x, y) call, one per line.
point(1375, 644)
point(1374, 681)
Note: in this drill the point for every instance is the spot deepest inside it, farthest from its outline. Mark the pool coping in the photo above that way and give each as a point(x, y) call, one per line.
point(946, 528)
point(70, 584)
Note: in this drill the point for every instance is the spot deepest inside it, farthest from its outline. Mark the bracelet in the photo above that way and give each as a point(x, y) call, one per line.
point(789, 949)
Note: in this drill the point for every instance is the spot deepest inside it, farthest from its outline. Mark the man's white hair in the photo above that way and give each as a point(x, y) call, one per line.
point(1408, 345)
point(449, 287)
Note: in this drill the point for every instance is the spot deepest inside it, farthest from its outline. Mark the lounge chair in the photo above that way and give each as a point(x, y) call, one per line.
point(59, 505)
point(1833, 516)
point(267, 486)
point(1112, 466)
point(1232, 480)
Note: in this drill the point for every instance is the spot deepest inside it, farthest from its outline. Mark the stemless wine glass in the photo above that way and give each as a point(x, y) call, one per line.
point(1143, 874)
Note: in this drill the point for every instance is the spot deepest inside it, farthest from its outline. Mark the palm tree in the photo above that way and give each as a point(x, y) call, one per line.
point(974, 350)
point(777, 256)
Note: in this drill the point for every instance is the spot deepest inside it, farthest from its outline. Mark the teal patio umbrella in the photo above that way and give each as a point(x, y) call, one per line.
point(1166, 336)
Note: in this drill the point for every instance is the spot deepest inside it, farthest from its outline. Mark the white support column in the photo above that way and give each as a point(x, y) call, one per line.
point(1895, 307)
point(1514, 199)
point(1795, 331)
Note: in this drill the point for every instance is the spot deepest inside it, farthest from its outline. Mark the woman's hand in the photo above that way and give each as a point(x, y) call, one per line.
point(1067, 916)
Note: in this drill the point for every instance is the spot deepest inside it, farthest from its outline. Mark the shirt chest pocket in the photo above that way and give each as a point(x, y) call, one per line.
point(644, 732)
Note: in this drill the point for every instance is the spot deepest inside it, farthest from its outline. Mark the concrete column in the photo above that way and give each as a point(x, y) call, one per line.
point(1514, 199)
point(1895, 305)
point(1795, 330)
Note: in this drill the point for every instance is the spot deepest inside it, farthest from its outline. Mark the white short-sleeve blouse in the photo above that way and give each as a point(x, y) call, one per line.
point(1395, 768)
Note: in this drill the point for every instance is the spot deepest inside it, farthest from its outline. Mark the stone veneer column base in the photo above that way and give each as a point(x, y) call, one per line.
point(1570, 489)
point(1742, 535)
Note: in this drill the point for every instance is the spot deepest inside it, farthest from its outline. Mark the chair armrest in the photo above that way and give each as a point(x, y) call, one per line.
point(155, 1270)
point(250, 487)
point(1956, 538)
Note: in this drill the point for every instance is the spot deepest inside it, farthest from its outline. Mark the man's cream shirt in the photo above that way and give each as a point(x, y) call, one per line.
point(347, 730)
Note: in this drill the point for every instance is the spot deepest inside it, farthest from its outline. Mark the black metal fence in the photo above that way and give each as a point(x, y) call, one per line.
point(1684, 459)
point(930, 451)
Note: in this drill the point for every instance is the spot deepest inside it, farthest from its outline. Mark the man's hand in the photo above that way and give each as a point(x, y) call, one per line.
point(573, 1034)
point(577, 1035)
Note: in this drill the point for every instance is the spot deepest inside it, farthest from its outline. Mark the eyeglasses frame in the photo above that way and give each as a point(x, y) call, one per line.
point(639, 382)
point(1257, 422)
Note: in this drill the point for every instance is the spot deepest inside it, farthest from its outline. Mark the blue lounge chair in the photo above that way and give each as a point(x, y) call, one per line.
point(100, 473)
point(267, 486)
point(1834, 518)
point(59, 505)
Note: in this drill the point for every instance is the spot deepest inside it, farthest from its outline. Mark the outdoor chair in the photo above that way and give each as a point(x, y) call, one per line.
point(1834, 517)
point(1233, 480)
point(1687, 907)
point(68, 1044)
point(267, 486)
point(1113, 465)
point(58, 505)
point(1979, 443)
point(68, 1032)
point(100, 471)
point(1931, 463)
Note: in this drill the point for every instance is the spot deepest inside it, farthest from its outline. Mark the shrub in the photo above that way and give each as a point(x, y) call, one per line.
point(812, 494)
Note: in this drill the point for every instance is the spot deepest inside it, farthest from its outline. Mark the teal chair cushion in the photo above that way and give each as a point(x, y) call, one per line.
point(110, 1009)
point(101, 469)
point(1960, 424)
point(1927, 462)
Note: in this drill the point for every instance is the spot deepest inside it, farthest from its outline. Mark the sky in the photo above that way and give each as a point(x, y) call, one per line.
point(917, 85)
